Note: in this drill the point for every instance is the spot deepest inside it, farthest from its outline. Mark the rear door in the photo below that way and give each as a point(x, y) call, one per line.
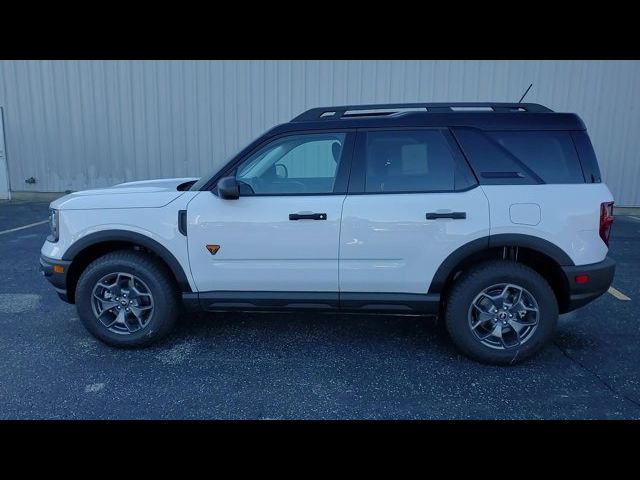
point(412, 201)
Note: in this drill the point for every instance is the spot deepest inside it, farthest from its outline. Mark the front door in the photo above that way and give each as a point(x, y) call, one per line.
point(282, 234)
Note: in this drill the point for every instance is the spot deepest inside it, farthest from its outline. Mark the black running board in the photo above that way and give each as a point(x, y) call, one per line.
point(410, 303)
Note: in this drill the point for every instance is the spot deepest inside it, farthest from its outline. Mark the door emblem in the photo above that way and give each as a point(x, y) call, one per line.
point(213, 249)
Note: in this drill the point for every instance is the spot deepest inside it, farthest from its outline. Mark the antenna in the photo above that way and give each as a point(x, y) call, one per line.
point(525, 93)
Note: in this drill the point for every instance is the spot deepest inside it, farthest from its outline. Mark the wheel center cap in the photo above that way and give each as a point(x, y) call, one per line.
point(123, 302)
point(502, 315)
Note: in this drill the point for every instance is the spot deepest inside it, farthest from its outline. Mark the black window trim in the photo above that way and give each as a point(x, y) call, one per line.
point(575, 148)
point(357, 179)
point(342, 174)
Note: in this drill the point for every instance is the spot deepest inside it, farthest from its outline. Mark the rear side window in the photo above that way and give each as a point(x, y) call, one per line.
point(408, 161)
point(551, 155)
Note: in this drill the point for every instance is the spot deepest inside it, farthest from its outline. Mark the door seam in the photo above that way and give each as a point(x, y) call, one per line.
point(340, 245)
point(186, 207)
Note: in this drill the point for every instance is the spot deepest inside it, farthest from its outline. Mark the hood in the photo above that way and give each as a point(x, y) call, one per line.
point(144, 186)
point(147, 193)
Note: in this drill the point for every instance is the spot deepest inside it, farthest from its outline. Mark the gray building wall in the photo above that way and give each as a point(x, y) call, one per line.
point(81, 124)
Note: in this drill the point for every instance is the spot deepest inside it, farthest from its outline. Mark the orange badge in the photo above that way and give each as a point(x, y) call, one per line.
point(213, 249)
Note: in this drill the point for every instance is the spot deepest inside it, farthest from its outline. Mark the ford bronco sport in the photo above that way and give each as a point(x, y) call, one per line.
point(491, 215)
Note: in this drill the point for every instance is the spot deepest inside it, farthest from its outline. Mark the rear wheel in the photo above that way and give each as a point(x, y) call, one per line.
point(127, 299)
point(501, 312)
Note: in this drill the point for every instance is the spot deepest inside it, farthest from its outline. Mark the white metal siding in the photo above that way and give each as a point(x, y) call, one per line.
point(82, 124)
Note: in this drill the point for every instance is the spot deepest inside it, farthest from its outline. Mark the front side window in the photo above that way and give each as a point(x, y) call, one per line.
point(408, 161)
point(295, 164)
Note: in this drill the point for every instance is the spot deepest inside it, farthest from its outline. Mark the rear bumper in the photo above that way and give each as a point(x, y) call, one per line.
point(600, 277)
point(57, 279)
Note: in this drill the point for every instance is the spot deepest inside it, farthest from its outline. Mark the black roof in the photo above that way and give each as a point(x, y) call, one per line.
point(485, 116)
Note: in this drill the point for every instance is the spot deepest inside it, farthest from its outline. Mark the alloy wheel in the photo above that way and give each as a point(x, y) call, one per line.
point(504, 316)
point(122, 303)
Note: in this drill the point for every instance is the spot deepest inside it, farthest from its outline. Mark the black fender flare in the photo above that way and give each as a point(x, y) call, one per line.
point(131, 237)
point(504, 239)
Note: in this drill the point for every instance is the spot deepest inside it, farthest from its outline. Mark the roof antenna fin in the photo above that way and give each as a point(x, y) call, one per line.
point(525, 93)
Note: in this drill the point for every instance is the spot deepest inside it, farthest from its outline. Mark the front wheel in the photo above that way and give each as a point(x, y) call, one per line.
point(501, 312)
point(127, 299)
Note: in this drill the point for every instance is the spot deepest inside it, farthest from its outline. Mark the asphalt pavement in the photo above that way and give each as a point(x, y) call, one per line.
point(300, 365)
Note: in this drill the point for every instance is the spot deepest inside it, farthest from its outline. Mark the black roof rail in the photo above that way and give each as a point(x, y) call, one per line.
point(335, 113)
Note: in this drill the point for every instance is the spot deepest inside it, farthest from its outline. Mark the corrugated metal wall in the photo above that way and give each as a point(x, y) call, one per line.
point(80, 124)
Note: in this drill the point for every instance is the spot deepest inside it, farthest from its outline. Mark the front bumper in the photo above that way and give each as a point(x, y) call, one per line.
point(600, 277)
point(56, 278)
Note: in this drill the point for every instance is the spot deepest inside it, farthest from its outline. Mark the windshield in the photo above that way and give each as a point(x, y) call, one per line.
point(204, 179)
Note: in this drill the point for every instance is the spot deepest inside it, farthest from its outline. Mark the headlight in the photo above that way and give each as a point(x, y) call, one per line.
point(54, 225)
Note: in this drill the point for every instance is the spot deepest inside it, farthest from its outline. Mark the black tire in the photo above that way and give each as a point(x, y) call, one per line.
point(161, 286)
point(472, 283)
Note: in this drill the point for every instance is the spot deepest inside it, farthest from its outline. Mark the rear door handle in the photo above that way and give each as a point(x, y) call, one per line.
point(454, 215)
point(307, 216)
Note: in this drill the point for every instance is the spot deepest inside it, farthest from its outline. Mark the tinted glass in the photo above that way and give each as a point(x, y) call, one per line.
point(587, 156)
point(408, 161)
point(493, 164)
point(295, 164)
point(551, 155)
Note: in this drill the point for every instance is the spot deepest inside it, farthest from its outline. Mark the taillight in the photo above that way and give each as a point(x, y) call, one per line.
point(606, 220)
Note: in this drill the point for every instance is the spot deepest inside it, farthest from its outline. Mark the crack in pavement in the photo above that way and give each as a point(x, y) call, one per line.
point(595, 374)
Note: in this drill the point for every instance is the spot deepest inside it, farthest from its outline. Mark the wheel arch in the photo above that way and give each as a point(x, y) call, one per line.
point(535, 252)
point(94, 245)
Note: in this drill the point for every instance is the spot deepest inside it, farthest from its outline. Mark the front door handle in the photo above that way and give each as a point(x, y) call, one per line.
point(307, 216)
point(454, 215)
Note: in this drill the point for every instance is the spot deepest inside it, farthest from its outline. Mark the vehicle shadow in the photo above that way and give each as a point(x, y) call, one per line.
point(325, 330)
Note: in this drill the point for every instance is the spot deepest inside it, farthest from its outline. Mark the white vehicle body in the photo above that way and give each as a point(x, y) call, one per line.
point(360, 214)
point(368, 244)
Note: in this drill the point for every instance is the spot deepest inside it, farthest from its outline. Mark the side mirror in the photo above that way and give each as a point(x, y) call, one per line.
point(228, 188)
point(281, 171)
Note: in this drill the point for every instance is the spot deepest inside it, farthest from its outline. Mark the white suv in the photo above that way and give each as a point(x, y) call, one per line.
point(492, 216)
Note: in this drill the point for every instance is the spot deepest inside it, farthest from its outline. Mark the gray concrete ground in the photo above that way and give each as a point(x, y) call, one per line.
point(268, 366)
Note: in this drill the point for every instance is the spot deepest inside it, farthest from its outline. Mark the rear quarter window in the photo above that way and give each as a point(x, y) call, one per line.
point(587, 156)
point(551, 155)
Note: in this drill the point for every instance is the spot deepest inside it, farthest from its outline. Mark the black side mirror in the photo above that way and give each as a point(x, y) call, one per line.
point(281, 171)
point(228, 188)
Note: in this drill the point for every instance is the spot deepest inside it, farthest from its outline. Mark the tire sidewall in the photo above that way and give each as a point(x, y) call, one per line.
point(161, 317)
point(469, 286)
